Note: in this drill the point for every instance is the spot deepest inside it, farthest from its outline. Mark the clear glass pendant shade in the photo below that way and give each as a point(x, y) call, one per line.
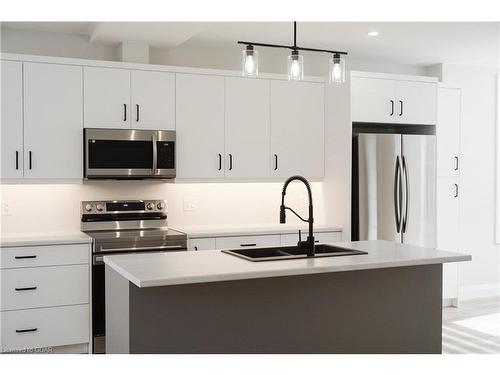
point(250, 62)
point(337, 70)
point(295, 67)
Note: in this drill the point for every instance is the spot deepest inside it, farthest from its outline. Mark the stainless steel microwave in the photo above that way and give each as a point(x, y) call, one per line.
point(129, 154)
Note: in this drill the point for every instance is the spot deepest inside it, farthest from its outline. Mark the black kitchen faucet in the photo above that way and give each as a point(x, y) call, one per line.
point(309, 244)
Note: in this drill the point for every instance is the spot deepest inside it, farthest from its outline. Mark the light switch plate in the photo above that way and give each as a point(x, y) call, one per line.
point(6, 208)
point(190, 204)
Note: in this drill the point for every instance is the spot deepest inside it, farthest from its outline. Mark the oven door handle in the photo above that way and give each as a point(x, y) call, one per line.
point(163, 247)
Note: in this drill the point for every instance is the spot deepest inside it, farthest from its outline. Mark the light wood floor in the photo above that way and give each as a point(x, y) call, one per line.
point(473, 327)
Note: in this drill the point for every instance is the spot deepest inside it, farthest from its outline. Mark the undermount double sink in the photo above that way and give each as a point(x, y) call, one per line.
point(290, 252)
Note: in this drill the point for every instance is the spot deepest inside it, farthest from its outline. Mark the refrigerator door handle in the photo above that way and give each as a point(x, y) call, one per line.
point(397, 195)
point(405, 173)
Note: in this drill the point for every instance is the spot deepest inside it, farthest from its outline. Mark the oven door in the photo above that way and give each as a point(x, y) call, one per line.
point(129, 154)
point(99, 292)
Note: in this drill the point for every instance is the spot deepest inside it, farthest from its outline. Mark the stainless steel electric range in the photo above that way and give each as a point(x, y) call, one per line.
point(123, 227)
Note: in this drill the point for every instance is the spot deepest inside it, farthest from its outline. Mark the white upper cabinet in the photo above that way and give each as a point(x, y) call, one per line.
point(416, 103)
point(12, 119)
point(200, 126)
point(247, 129)
point(448, 131)
point(372, 99)
point(153, 100)
point(297, 129)
point(106, 98)
point(382, 99)
point(53, 127)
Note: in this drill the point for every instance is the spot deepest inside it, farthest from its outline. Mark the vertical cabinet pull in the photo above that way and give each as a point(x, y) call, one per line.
point(275, 162)
point(17, 160)
point(30, 160)
point(124, 112)
point(220, 162)
point(230, 162)
point(137, 112)
point(456, 163)
point(455, 194)
point(392, 108)
point(400, 108)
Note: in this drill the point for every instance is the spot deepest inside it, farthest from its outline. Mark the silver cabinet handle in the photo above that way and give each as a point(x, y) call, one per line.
point(392, 108)
point(155, 155)
point(455, 195)
point(456, 163)
point(400, 108)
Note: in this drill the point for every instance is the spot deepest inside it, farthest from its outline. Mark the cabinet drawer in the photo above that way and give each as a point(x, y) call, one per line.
point(24, 288)
point(43, 328)
point(223, 243)
point(197, 244)
point(49, 255)
point(291, 239)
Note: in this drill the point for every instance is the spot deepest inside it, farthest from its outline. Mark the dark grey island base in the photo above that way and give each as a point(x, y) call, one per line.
point(386, 310)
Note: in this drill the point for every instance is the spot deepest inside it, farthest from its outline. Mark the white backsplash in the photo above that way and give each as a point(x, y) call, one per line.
point(45, 207)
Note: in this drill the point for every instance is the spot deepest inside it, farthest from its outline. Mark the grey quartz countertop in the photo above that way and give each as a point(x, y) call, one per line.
point(43, 238)
point(188, 267)
point(222, 230)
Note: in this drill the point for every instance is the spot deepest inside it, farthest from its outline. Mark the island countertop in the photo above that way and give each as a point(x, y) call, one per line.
point(188, 267)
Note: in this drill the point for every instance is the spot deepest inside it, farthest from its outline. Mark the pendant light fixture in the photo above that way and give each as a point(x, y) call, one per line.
point(250, 60)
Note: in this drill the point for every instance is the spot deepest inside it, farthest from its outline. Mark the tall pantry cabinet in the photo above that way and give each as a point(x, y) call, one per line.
point(448, 184)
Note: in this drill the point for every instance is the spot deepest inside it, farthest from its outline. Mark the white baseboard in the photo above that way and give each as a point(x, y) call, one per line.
point(479, 291)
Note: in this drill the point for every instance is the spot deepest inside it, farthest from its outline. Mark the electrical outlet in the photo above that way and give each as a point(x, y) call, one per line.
point(6, 209)
point(190, 204)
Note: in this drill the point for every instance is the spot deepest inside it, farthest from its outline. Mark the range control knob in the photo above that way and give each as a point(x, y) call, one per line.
point(150, 206)
point(160, 205)
point(99, 207)
point(88, 207)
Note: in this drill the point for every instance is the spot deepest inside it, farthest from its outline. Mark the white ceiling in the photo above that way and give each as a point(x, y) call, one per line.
point(424, 43)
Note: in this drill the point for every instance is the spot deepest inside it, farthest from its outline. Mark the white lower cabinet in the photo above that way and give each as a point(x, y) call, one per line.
point(448, 211)
point(291, 239)
point(197, 244)
point(45, 297)
point(222, 243)
point(44, 328)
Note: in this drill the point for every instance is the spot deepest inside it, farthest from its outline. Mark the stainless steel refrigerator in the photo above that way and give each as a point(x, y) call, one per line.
point(394, 188)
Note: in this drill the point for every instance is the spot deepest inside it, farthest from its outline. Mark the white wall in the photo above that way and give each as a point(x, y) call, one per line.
point(55, 207)
point(477, 175)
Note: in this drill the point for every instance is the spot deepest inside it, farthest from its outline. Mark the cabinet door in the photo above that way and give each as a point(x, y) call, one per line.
point(448, 132)
point(12, 119)
point(447, 229)
point(153, 100)
point(373, 100)
point(200, 126)
point(199, 244)
point(247, 128)
point(416, 103)
point(297, 129)
point(107, 98)
point(53, 121)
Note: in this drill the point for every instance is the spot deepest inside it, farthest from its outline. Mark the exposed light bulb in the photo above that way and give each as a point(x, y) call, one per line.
point(295, 67)
point(337, 70)
point(250, 62)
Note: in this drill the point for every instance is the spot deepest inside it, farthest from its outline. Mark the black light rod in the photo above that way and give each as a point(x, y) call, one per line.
point(292, 47)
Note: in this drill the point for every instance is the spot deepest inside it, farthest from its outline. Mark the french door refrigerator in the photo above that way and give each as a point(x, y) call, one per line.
point(394, 188)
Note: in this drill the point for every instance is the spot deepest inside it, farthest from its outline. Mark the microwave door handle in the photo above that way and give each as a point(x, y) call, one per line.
point(155, 154)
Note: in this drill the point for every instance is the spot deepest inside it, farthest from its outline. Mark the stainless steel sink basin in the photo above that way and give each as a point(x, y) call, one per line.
point(291, 252)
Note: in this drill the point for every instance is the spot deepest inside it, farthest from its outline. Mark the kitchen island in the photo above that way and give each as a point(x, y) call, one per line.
point(386, 301)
